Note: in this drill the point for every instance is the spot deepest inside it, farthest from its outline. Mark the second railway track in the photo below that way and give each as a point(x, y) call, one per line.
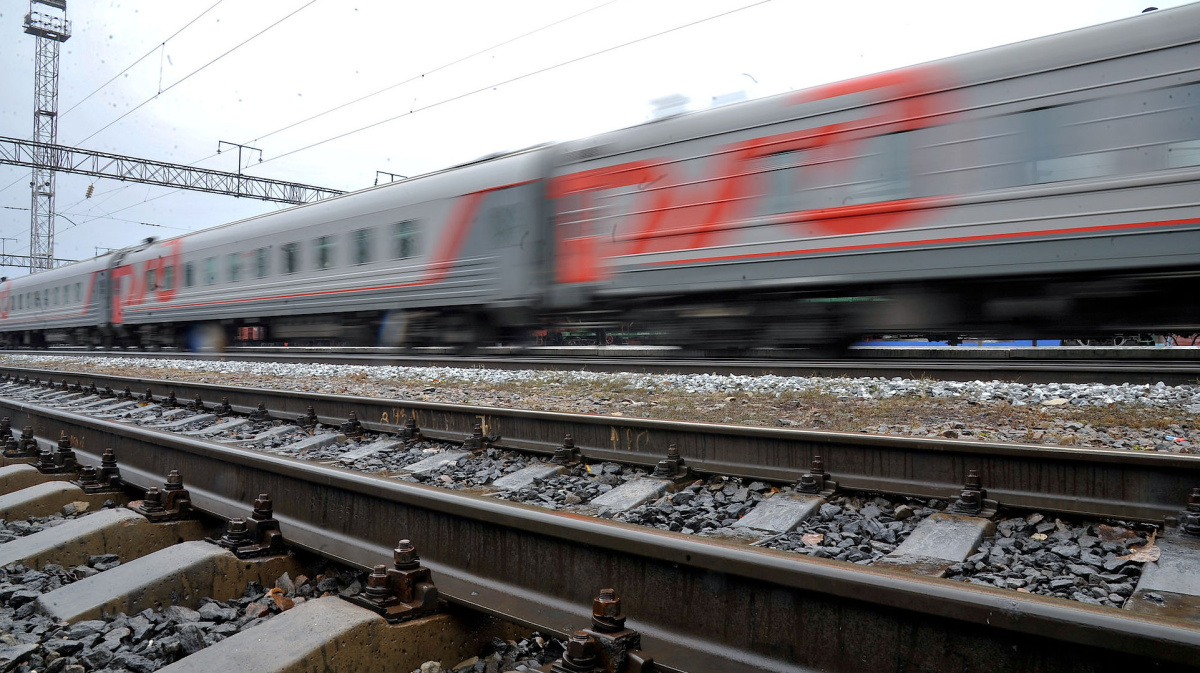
point(702, 604)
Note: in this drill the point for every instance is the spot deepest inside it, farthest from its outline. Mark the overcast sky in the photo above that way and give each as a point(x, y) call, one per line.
point(331, 52)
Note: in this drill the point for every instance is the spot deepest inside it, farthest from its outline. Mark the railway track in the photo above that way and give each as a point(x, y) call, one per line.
point(1177, 366)
point(699, 603)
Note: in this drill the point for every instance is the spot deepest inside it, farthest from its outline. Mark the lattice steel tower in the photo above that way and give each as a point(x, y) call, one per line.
point(47, 21)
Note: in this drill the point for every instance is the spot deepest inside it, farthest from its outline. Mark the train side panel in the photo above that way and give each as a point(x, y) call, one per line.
point(466, 237)
point(1074, 154)
point(59, 304)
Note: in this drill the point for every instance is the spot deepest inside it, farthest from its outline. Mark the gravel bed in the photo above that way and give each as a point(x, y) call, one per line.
point(29, 641)
point(1133, 417)
point(857, 528)
point(11, 530)
point(1079, 561)
point(328, 378)
point(148, 640)
point(505, 656)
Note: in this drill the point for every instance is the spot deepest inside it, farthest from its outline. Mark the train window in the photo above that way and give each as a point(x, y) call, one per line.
point(404, 239)
point(56, 296)
point(1063, 141)
point(151, 280)
point(189, 274)
point(168, 277)
point(362, 246)
point(780, 170)
point(260, 263)
point(324, 252)
point(882, 171)
point(210, 270)
point(235, 267)
point(78, 292)
point(291, 257)
point(1184, 154)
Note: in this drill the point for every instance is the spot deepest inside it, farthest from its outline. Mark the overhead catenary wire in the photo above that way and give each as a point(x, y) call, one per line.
point(437, 69)
point(398, 84)
point(515, 79)
point(197, 71)
point(157, 47)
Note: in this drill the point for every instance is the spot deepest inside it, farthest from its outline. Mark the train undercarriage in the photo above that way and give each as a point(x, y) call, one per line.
point(1085, 310)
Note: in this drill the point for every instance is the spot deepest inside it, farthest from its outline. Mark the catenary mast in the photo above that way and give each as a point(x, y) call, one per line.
point(47, 21)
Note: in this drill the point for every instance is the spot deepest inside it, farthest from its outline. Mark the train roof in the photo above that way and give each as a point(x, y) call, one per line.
point(1151, 31)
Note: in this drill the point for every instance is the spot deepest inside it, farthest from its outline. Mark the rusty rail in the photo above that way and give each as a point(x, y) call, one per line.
point(701, 605)
point(1089, 482)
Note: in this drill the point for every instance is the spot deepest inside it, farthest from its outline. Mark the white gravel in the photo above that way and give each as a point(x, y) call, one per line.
point(1185, 397)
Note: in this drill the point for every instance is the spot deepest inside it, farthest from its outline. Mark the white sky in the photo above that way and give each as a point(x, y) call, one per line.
point(333, 51)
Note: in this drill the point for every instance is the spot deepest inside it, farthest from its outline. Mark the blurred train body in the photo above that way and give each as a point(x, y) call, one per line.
point(1050, 187)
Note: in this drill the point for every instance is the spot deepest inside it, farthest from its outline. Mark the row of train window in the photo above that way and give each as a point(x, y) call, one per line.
point(257, 264)
point(65, 295)
point(1125, 134)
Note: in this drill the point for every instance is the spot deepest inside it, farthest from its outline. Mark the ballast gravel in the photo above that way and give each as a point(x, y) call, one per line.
point(11, 530)
point(859, 529)
point(1131, 417)
point(150, 639)
point(1088, 562)
point(504, 656)
point(34, 642)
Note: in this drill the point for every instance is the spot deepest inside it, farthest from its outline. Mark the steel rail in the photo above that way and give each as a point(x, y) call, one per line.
point(1109, 372)
point(1103, 483)
point(701, 605)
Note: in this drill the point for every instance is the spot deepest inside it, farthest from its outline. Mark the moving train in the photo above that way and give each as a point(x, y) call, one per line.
point(1046, 187)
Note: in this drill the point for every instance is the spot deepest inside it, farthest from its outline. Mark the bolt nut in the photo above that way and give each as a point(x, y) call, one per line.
point(405, 555)
point(581, 649)
point(606, 612)
point(237, 530)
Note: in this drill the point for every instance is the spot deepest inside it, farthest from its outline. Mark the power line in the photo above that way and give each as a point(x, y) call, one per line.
point(393, 86)
point(437, 69)
point(102, 217)
point(197, 70)
point(131, 65)
point(11, 184)
point(515, 79)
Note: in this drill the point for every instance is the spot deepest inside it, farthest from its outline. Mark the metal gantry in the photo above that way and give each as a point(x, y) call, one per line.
point(47, 21)
point(17, 152)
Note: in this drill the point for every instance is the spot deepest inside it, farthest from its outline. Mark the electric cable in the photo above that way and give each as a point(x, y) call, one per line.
point(197, 70)
point(514, 79)
point(131, 65)
point(417, 77)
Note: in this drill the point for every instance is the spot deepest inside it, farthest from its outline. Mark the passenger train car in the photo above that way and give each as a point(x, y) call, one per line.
point(1050, 186)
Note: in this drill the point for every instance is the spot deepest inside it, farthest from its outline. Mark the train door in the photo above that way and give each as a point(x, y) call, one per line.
point(102, 305)
point(509, 227)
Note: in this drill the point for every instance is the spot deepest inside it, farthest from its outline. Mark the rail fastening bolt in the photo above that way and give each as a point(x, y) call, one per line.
point(405, 556)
